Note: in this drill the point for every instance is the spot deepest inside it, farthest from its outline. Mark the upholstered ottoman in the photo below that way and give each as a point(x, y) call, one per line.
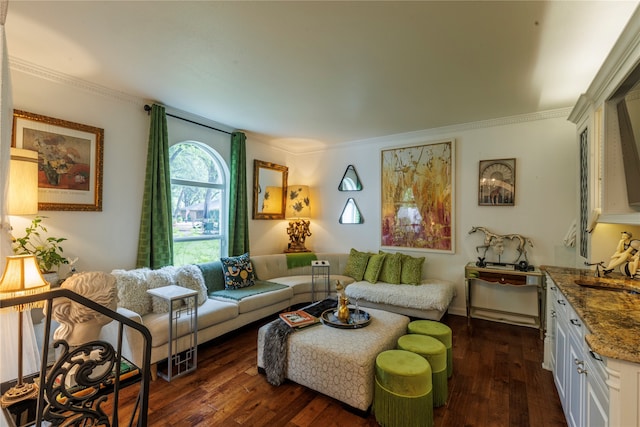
point(340, 362)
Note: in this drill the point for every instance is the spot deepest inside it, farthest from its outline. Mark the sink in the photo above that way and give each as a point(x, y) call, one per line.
point(605, 286)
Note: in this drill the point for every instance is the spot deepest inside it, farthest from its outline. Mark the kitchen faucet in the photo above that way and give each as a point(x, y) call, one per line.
point(598, 265)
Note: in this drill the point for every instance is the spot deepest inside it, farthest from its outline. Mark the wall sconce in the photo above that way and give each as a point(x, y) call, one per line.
point(21, 277)
point(23, 182)
point(298, 211)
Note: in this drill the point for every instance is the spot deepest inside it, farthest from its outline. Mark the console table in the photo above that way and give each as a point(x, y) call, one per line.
point(506, 295)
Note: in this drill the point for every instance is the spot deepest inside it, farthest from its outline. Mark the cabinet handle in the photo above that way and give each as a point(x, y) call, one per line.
point(575, 322)
point(561, 302)
point(582, 371)
point(553, 313)
point(595, 355)
point(578, 362)
point(553, 288)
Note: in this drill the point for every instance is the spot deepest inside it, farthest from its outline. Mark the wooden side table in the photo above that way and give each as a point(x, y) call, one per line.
point(180, 362)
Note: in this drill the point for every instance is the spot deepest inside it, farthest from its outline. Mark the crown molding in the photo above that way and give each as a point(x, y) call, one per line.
point(35, 70)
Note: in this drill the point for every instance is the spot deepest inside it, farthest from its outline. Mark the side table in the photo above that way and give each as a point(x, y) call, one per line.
point(320, 272)
point(180, 362)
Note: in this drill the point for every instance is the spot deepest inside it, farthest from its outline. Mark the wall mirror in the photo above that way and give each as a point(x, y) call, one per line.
point(269, 187)
point(351, 214)
point(350, 180)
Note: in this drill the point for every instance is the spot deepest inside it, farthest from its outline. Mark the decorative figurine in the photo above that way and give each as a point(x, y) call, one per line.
point(626, 252)
point(343, 309)
point(496, 242)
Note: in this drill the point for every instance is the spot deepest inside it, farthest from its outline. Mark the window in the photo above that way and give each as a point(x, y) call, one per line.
point(198, 202)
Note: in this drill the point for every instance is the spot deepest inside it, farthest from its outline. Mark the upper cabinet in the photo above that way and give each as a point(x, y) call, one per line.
point(605, 116)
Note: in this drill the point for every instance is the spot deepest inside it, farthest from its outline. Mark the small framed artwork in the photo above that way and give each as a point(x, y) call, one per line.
point(497, 186)
point(70, 161)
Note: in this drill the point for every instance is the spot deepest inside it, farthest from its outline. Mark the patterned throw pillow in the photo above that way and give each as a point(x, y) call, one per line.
point(356, 264)
point(373, 268)
point(391, 268)
point(411, 270)
point(238, 272)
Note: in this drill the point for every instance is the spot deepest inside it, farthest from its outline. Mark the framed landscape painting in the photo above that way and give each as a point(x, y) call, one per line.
point(70, 161)
point(418, 197)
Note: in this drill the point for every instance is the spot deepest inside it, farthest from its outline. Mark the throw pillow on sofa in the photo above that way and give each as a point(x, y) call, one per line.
point(391, 268)
point(373, 268)
point(190, 277)
point(159, 278)
point(238, 272)
point(356, 264)
point(411, 270)
point(132, 290)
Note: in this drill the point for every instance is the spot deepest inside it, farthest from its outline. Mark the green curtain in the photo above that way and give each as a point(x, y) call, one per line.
point(155, 243)
point(238, 199)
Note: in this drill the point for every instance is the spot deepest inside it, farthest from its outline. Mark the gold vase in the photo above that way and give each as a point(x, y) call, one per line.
point(343, 310)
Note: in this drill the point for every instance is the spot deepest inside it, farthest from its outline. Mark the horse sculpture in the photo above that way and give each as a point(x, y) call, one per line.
point(496, 242)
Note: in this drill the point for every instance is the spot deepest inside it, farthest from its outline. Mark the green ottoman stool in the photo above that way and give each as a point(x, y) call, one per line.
point(436, 354)
point(437, 330)
point(403, 395)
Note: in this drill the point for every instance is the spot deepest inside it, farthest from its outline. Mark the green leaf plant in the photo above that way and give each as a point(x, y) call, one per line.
point(47, 250)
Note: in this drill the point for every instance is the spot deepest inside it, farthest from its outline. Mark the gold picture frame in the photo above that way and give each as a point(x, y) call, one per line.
point(418, 197)
point(70, 160)
point(497, 182)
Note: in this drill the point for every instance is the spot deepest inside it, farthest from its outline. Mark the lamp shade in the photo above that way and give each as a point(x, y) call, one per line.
point(298, 202)
point(22, 277)
point(23, 182)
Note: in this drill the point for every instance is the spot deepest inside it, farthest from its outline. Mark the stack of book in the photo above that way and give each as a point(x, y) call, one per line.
point(298, 319)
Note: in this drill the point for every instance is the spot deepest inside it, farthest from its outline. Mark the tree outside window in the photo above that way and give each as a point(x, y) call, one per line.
point(198, 203)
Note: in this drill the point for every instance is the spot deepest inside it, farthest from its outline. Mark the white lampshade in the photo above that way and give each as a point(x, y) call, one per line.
point(23, 182)
point(272, 202)
point(298, 202)
point(22, 277)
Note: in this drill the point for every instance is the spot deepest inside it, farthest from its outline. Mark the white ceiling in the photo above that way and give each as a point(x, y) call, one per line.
point(308, 73)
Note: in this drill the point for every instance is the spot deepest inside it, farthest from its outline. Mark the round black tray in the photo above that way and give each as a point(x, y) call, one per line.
point(356, 320)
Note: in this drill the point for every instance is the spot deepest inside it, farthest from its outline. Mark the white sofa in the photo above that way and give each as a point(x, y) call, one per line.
point(219, 315)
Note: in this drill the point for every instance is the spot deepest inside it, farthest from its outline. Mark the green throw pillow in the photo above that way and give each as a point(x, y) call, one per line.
point(238, 272)
point(411, 270)
point(391, 268)
point(373, 268)
point(356, 264)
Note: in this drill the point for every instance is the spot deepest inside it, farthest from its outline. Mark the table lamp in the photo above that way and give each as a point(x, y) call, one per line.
point(23, 182)
point(298, 211)
point(21, 278)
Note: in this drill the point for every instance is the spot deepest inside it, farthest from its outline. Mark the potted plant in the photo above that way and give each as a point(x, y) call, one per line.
point(47, 250)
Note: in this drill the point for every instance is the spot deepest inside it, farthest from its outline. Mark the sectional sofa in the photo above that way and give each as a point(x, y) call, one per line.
point(279, 286)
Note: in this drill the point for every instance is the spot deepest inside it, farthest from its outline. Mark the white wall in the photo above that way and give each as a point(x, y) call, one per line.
point(101, 240)
point(546, 183)
point(545, 149)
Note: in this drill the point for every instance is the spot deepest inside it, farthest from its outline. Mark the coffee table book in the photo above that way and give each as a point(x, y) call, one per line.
point(298, 319)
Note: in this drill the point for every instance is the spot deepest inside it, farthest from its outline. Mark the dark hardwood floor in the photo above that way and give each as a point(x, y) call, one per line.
point(498, 380)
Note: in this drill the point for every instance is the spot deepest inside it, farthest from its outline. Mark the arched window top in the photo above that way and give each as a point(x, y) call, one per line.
point(195, 162)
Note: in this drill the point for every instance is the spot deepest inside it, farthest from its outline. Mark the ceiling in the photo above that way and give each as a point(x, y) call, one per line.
point(307, 74)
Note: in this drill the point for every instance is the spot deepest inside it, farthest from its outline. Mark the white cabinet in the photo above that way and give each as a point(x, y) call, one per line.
point(596, 410)
point(549, 358)
point(578, 372)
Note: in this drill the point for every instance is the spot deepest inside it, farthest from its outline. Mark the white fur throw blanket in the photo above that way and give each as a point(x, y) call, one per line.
point(429, 295)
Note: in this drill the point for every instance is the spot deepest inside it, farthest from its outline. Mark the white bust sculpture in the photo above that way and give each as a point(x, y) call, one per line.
point(78, 323)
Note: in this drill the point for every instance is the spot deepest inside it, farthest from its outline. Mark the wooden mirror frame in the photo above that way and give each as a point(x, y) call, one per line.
point(265, 175)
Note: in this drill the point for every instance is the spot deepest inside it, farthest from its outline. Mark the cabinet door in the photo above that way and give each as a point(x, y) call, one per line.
point(561, 359)
point(597, 410)
point(576, 374)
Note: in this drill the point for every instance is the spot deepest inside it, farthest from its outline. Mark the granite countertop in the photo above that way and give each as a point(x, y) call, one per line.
point(612, 317)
